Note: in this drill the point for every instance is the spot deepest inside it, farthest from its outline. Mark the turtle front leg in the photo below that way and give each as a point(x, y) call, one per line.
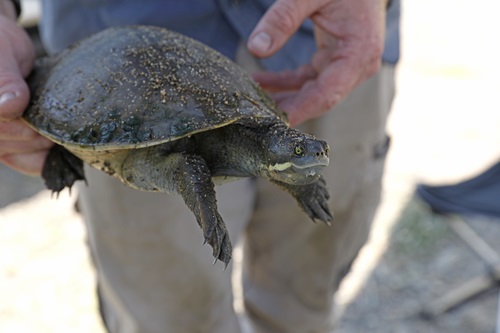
point(194, 184)
point(189, 176)
point(312, 198)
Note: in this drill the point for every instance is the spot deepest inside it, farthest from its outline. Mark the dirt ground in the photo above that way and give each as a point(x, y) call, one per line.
point(445, 127)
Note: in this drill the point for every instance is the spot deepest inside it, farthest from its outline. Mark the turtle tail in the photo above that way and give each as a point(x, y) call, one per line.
point(61, 169)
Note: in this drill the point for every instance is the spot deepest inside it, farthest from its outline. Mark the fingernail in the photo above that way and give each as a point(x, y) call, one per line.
point(5, 97)
point(261, 42)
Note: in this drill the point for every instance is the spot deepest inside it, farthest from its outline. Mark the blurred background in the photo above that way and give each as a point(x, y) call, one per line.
point(445, 128)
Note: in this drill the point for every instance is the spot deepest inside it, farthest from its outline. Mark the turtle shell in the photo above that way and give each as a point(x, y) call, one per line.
point(137, 86)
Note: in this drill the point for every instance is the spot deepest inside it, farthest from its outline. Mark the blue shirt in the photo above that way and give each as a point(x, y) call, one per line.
point(222, 24)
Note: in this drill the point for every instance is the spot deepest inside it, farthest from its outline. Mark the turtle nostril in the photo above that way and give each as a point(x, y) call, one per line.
point(319, 149)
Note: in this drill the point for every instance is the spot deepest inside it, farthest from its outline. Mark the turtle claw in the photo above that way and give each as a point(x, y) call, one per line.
point(312, 198)
point(315, 201)
point(216, 235)
point(61, 169)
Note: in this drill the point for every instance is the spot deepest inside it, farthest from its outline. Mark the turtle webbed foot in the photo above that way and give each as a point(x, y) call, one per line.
point(216, 234)
point(312, 198)
point(61, 169)
point(314, 201)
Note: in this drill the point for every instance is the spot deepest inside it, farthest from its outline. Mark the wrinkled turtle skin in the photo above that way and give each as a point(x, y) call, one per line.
point(163, 112)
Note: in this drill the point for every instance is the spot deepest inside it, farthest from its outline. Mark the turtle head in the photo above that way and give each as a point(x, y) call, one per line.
point(294, 157)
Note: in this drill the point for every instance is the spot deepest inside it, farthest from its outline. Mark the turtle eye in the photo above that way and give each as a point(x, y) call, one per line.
point(299, 150)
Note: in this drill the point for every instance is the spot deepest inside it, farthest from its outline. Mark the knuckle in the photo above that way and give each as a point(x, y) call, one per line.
point(285, 17)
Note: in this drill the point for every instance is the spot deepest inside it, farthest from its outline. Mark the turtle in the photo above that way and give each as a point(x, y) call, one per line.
point(163, 112)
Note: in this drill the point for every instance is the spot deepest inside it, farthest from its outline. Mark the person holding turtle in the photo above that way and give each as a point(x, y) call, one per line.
point(321, 61)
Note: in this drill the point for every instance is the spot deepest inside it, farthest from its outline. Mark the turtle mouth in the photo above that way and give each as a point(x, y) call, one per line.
point(303, 173)
point(311, 169)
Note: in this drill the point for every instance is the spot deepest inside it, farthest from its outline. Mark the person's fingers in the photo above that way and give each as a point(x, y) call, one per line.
point(16, 130)
point(282, 97)
point(16, 60)
point(320, 95)
point(308, 95)
point(30, 164)
point(16, 47)
point(340, 66)
point(24, 147)
point(285, 80)
point(278, 24)
point(14, 96)
point(304, 94)
point(20, 147)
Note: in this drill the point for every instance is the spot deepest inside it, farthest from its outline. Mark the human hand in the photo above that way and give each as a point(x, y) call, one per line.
point(350, 38)
point(21, 148)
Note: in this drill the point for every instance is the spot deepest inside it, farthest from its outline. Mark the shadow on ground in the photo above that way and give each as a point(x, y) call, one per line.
point(424, 260)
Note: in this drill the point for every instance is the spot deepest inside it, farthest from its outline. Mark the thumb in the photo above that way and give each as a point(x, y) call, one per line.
point(16, 60)
point(14, 93)
point(278, 24)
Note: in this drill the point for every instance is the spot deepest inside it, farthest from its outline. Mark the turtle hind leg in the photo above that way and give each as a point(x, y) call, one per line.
point(188, 175)
point(61, 169)
point(312, 198)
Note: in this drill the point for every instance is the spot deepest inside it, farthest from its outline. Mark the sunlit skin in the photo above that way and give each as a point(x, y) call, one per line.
point(350, 36)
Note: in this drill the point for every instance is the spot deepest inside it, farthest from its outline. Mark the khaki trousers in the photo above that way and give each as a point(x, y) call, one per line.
point(154, 275)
